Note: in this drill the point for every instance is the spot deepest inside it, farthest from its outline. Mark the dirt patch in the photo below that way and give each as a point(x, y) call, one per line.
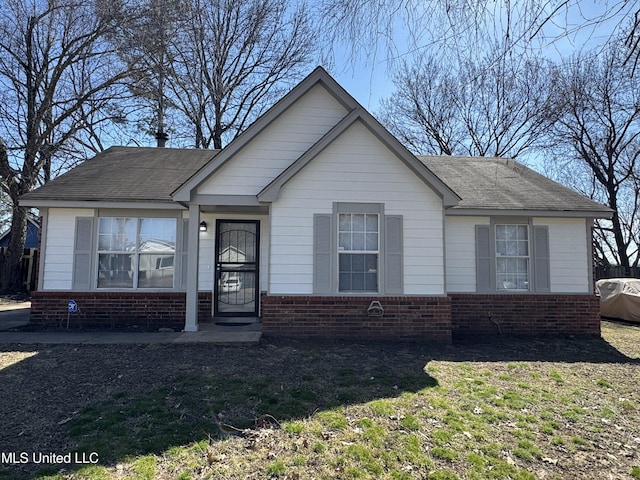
point(62, 328)
point(147, 399)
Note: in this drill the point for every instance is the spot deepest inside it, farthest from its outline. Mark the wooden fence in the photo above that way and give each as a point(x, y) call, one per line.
point(29, 267)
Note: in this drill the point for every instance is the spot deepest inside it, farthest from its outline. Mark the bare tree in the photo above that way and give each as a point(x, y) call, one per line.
point(146, 36)
point(208, 68)
point(375, 28)
point(6, 206)
point(632, 41)
point(56, 74)
point(233, 61)
point(403, 29)
point(476, 107)
point(595, 142)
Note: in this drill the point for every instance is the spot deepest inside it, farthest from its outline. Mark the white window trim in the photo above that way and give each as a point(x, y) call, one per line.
point(539, 275)
point(136, 254)
point(390, 250)
point(376, 252)
point(357, 207)
point(527, 257)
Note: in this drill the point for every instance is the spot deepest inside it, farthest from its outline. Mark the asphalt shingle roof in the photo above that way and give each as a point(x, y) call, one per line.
point(149, 174)
point(504, 184)
point(126, 174)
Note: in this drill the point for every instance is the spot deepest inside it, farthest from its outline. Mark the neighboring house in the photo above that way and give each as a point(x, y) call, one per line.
point(31, 240)
point(331, 214)
point(30, 254)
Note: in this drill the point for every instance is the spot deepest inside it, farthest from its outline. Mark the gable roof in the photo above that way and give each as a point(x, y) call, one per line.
point(356, 112)
point(150, 177)
point(449, 197)
point(502, 185)
point(123, 174)
point(319, 75)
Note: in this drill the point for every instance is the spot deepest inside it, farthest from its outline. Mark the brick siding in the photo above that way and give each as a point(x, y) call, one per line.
point(410, 318)
point(405, 318)
point(478, 314)
point(146, 309)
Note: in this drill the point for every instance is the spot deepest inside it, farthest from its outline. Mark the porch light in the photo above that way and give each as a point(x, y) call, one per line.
point(203, 226)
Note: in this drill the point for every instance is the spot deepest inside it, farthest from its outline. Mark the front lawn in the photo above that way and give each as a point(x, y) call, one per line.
point(509, 409)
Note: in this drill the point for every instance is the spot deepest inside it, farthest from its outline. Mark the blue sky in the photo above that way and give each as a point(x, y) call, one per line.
point(370, 80)
point(368, 84)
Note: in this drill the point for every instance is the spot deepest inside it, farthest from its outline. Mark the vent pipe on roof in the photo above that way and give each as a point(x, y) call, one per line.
point(161, 138)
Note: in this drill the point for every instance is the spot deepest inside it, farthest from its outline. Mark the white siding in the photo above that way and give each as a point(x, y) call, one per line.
point(460, 248)
point(279, 145)
point(569, 254)
point(357, 167)
point(205, 254)
point(568, 250)
point(58, 261)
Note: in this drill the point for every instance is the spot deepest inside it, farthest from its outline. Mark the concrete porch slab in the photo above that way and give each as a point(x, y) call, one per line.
point(111, 338)
point(17, 315)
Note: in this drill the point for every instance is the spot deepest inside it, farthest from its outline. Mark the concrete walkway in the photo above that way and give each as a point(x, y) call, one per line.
point(15, 315)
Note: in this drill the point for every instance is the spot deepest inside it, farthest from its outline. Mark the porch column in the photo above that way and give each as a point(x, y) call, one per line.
point(191, 320)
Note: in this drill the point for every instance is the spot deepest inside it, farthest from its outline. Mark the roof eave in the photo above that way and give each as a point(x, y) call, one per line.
point(486, 212)
point(138, 204)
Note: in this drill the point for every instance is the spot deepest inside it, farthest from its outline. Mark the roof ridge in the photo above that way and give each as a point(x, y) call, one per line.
point(160, 149)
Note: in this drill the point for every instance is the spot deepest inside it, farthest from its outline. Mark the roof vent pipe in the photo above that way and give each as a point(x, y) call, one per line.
point(161, 138)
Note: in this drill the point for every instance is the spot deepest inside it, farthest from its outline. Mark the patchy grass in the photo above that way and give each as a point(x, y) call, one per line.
point(510, 409)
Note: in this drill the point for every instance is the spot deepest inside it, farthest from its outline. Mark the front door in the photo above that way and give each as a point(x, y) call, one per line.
point(236, 286)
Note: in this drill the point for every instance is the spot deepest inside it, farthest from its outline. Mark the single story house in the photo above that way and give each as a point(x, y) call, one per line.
point(317, 221)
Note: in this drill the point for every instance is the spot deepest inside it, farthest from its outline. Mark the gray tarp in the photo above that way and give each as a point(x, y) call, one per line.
point(620, 298)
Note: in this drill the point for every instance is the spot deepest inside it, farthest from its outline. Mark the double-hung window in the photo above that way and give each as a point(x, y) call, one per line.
point(358, 249)
point(136, 252)
point(512, 257)
point(358, 252)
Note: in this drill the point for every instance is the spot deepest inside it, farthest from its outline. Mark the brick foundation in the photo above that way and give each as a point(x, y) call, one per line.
point(410, 318)
point(405, 318)
point(478, 314)
point(110, 309)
